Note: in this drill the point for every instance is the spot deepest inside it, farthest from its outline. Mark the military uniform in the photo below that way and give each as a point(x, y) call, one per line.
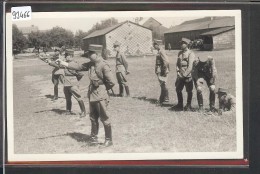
point(121, 71)
point(162, 69)
point(101, 80)
point(205, 71)
point(227, 102)
point(70, 80)
point(184, 67)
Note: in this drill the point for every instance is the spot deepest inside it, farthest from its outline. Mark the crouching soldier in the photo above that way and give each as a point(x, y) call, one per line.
point(204, 70)
point(70, 80)
point(101, 80)
point(121, 70)
point(184, 67)
point(162, 69)
point(227, 102)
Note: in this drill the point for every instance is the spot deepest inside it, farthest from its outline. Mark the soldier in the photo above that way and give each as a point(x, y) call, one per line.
point(162, 69)
point(204, 70)
point(184, 67)
point(227, 102)
point(70, 80)
point(101, 79)
point(121, 70)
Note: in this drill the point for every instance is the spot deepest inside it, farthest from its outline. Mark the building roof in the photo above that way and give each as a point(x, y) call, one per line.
point(109, 29)
point(218, 31)
point(149, 21)
point(204, 24)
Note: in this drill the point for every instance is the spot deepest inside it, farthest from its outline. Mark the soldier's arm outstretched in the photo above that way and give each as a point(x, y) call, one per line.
point(76, 66)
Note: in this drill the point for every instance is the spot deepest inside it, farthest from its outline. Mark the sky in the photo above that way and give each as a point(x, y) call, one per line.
point(85, 24)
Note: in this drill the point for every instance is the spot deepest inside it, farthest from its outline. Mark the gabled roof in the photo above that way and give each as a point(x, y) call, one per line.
point(151, 19)
point(217, 31)
point(109, 29)
point(215, 23)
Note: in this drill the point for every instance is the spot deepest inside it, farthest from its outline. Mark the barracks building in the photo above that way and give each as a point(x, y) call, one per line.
point(135, 39)
point(216, 33)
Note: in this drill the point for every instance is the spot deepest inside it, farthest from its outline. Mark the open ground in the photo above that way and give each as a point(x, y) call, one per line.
point(139, 125)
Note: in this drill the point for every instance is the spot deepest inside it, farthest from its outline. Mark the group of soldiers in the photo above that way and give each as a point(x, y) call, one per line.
point(69, 72)
point(191, 71)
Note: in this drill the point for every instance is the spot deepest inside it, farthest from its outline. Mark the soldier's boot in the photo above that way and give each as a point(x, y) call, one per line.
point(108, 136)
point(161, 96)
point(127, 91)
point(82, 108)
point(121, 90)
point(179, 106)
point(212, 98)
point(56, 91)
point(200, 101)
point(189, 99)
point(68, 107)
point(94, 133)
point(166, 96)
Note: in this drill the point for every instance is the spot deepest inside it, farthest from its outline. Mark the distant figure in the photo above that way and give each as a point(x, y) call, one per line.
point(169, 47)
point(121, 70)
point(227, 102)
point(184, 68)
point(162, 70)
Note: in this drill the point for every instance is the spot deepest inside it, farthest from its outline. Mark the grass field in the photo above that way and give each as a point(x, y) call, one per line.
point(139, 125)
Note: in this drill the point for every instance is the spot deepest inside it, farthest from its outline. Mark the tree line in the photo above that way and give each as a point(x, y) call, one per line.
point(55, 37)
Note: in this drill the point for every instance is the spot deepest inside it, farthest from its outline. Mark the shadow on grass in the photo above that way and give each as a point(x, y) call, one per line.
point(153, 101)
point(58, 111)
point(79, 137)
point(49, 96)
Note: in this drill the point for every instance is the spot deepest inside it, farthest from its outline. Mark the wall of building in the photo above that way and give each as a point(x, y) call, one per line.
point(135, 40)
point(224, 40)
point(174, 38)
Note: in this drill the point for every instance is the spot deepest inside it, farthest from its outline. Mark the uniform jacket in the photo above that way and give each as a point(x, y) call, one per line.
point(227, 103)
point(68, 77)
point(204, 69)
point(101, 78)
point(162, 65)
point(56, 70)
point(185, 62)
point(121, 62)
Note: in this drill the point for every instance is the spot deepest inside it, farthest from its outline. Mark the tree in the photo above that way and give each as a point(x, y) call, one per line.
point(35, 39)
point(79, 35)
point(103, 24)
point(59, 36)
point(19, 40)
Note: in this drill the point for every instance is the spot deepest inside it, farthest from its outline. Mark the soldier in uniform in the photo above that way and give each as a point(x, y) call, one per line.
point(204, 70)
point(184, 67)
point(70, 80)
point(162, 69)
point(121, 70)
point(101, 80)
point(227, 102)
point(56, 72)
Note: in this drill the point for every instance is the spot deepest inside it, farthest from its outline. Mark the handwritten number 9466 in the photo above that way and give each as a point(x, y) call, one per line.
point(21, 14)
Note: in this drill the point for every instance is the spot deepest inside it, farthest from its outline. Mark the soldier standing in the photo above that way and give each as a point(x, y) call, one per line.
point(121, 70)
point(227, 102)
point(184, 67)
point(101, 80)
point(205, 70)
point(162, 69)
point(70, 80)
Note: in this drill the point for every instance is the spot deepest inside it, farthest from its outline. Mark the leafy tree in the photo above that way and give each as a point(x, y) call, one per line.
point(103, 24)
point(19, 40)
point(79, 35)
point(59, 36)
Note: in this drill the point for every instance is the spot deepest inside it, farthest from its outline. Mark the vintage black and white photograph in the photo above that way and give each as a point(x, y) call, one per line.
point(131, 85)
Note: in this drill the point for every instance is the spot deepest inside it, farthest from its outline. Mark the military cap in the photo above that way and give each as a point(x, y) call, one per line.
point(157, 42)
point(222, 91)
point(95, 48)
point(185, 40)
point(116, 44)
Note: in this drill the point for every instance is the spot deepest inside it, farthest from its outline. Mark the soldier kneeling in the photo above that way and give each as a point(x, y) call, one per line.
point(227, 102)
